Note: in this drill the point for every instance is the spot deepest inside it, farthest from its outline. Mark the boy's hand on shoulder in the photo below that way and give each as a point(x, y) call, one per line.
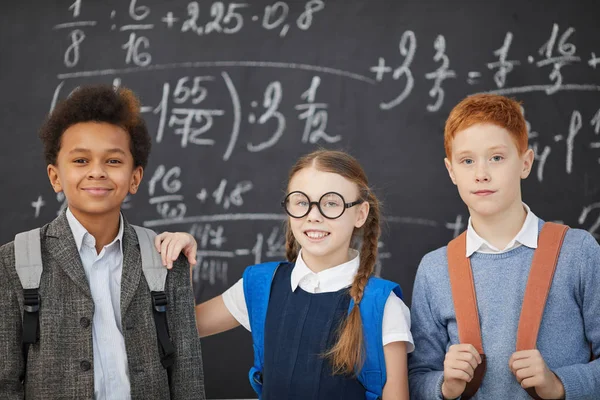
point(459, 367)
point(530, 369)
point(170, 245)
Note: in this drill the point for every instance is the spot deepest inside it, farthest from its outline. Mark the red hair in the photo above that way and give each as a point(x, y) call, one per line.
point(487, 109)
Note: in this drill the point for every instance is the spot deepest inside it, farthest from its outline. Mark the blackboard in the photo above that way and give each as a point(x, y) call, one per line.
point(233, 93)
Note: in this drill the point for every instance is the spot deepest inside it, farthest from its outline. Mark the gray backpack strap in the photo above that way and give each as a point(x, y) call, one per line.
point(28, 264)
point(28, 258)
point(154, 271)
point(156, 275)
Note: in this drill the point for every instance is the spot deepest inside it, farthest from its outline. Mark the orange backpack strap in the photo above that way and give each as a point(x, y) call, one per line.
point(538, 286)
point(539, 282)
point(465, 306)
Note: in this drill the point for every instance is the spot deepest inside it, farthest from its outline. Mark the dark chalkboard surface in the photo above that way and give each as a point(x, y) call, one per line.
point(233, 93)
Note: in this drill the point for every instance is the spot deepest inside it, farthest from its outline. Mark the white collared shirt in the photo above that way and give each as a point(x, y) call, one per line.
point(103, 272)
point(396, 315)
point(527, 236)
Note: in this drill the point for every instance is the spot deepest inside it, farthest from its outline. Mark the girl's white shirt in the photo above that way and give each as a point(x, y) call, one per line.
point(396, 315)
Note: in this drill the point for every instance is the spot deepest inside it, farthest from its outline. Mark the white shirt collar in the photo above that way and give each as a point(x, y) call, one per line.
point(81, 235)
point(527, 236)
point(329, 280)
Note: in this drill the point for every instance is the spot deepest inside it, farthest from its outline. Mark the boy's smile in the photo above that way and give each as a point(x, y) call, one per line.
point(95, 169)
point(97, 191)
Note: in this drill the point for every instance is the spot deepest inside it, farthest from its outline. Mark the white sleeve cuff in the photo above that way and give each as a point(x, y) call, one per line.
point(410, 347)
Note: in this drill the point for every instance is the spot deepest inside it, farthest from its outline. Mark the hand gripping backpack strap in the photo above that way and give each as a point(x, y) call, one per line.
point(257, 281)
point(538, 286)
point(28, 264)
point(465, 307)
point(373, 374)
point(156, 276)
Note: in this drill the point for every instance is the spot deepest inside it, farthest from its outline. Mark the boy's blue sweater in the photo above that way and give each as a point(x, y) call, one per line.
point(570, 322)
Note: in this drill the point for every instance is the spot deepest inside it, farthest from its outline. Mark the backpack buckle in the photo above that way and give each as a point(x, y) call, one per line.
point(31, 300)
point(256, 380)
point(159, 301)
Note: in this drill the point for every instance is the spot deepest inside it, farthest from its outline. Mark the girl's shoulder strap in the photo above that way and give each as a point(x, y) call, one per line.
point(373, 374)
point(383, 287)
point(257, 288)
point(257, 285)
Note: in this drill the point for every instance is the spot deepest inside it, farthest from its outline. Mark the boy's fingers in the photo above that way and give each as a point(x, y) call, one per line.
point(519, 355)
point(468, 358)
point(459, 374)
point(529, 382)
point(471, 349)
point(464, 347)
point(523, 359)
point(520, 364)
point(464, 366)
point(524, 373)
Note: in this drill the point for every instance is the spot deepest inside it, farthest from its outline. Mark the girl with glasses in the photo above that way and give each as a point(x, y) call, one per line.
point(323, 326)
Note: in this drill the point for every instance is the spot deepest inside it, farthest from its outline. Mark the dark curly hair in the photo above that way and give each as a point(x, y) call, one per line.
point(98, 103)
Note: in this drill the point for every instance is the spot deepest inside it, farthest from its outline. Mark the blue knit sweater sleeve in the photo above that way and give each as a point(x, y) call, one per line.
point(426, 365)
point(582, 381)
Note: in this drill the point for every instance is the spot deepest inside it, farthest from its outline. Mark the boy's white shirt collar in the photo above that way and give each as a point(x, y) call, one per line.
point(79, 232)
point(527, 236)
point(329, 280)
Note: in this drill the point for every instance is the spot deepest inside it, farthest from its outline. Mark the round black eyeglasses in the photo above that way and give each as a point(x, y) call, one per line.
point(331, 205)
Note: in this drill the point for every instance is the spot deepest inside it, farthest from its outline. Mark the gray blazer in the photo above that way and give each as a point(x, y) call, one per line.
point(60, 365)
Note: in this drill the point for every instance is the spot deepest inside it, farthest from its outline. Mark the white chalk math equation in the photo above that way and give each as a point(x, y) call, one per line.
point(556, 54)
point(217, 18)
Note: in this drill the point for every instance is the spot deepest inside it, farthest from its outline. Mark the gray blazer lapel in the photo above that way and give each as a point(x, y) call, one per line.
point(132, 266)
point(61, 244)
